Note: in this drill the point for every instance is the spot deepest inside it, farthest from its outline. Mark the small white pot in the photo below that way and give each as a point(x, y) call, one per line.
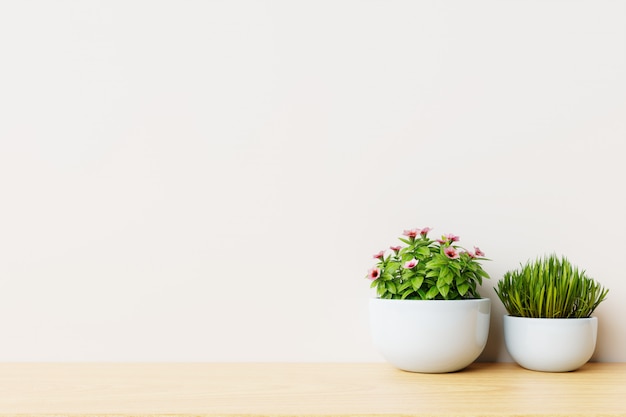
point(430, 336)
point(550, 345)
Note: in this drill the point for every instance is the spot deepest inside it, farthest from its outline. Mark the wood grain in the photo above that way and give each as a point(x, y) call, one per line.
point(289, 389)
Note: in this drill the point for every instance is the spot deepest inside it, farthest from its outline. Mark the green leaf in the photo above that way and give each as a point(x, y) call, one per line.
point(433, 273)
point(404, 286)
point(435, 263)
point(392, 267)
point(381, 290)
point(406, 294)
point(482, 273)
point(446, 276)
point(443, 290)
point(463, 288)
point(432, 293)
point(441, 282)
point(472, 266)
point(460, 279)
point(455, 265)
point(407, 256)
point(416, 282)
point(391, 287)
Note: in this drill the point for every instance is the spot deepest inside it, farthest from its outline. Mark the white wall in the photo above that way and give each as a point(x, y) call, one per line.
point(207, 180)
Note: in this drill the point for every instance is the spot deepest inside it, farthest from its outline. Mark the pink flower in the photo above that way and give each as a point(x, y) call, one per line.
point(411, 233)
point(396, 249)
point(373, 273)
point(452, 238)
point(451, 252)
point(425, 231)
point(379, 255)
point(449, 238)
point(410, 264)
point(470, 254)
point(478, 251)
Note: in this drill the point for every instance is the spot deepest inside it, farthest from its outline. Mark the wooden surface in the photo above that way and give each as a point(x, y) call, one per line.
point(187, 389)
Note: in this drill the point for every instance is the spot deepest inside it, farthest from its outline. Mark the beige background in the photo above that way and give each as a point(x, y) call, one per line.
point(207, 180)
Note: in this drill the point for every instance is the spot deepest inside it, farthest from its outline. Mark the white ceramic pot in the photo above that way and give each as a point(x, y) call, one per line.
point(430, 336)
point(550, 345)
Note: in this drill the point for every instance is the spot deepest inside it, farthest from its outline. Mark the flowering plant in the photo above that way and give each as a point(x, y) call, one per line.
point(428, 269)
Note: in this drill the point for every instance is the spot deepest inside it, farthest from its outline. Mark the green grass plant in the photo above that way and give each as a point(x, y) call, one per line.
point(549, 287)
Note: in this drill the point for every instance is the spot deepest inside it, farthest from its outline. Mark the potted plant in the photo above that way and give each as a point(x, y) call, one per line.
point(428, 315)
point(549, 302)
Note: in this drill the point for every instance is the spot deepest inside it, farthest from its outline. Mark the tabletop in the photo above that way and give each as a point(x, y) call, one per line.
point(305, 389)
